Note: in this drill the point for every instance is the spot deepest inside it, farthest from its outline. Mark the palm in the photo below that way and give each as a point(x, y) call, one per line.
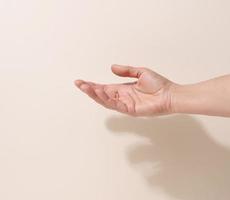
point(147, 96)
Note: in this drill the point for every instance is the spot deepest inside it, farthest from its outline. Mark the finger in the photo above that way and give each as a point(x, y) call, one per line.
point(78, 83)
point(129, 102)
point(95, 85)
point(113, 95)
point(121, 107)
point(112, 91)
point(127, 71)
point(111, 103)
point(90, 92)
point(96, 92)
point(107, 94)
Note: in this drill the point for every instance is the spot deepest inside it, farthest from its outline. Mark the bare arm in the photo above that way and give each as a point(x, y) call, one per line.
point(211, 97)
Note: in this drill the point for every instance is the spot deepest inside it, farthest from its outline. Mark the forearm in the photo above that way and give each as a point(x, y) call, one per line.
point(211, 97)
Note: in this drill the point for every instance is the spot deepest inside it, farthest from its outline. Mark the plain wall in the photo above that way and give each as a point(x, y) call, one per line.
point(56, 143)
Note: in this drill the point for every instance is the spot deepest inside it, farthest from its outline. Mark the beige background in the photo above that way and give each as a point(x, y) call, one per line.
point(56, 144)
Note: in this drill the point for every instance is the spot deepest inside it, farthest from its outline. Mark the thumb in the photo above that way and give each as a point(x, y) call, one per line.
point(127, 71)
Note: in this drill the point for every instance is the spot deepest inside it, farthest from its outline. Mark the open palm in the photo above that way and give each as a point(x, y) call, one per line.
point(149, 95)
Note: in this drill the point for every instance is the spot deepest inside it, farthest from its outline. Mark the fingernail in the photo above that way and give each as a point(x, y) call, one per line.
point(77, 82)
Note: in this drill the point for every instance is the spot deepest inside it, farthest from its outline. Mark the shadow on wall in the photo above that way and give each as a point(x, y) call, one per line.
point(191, 165)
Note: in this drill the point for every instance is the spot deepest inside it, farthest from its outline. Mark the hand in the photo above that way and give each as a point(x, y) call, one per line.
point(149, 95)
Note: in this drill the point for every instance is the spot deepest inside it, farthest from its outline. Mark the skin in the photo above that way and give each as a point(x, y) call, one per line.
point(152, 94)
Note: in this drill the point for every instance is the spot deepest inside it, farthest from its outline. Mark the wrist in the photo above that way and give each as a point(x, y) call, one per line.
point(181, 98)
point(173, 104)
point(188, 99)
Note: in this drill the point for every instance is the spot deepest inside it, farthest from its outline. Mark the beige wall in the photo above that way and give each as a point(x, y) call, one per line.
point(57, 144)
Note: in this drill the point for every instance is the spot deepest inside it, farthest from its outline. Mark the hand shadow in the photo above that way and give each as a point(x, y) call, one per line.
point(190, 164)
